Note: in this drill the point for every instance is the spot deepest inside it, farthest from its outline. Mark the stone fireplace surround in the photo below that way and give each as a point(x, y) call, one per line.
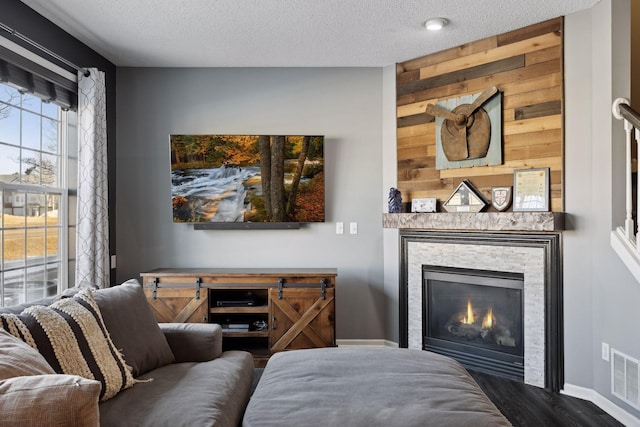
point(536, 255)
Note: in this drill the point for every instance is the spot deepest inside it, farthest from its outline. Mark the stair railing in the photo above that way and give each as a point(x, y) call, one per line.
point(622, 111)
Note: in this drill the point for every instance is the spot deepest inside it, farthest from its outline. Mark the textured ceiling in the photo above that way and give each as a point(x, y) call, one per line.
point(286, 33)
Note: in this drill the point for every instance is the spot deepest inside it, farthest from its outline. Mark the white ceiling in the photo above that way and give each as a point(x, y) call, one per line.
point(286, 33)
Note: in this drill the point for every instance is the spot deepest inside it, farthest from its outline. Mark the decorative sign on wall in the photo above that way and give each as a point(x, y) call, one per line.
point(468, 130)
point(531, 189)
point(501, 198)
point(465, 198)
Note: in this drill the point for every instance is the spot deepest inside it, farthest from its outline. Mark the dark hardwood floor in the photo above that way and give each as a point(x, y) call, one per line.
point(528, 406)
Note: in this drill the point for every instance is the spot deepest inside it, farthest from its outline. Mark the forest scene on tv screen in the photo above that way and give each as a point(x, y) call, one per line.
point(247, 178)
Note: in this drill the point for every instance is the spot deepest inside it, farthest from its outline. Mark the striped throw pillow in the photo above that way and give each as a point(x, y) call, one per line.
point(71, 335)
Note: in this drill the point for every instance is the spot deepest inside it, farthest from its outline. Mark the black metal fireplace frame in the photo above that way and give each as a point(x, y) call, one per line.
point(498, 363)
point(551, 243)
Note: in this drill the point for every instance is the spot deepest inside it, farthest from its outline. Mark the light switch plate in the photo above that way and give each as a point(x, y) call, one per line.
point(339, 227)
point(605, 351)
point(353, 228)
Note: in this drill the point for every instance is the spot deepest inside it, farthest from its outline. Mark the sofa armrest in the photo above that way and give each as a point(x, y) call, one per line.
point(193, 342)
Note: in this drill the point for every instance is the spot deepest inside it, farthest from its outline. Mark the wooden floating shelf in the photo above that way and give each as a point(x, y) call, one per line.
point(482, 221)
point(254, 334)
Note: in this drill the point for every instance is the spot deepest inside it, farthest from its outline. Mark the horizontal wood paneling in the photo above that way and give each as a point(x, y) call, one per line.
point(502, 53)
point(449, 54)
point(434, 80)
point(526, 65)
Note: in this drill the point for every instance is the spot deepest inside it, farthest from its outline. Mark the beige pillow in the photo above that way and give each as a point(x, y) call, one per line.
point(71, 335)
point(18, 359)
point(49, 400)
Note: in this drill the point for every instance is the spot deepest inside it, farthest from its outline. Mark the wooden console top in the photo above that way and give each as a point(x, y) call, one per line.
point(241, 272)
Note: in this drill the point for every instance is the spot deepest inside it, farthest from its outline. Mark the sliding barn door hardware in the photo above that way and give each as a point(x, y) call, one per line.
point(198, 283)
point(280, 286)
point(154, 286)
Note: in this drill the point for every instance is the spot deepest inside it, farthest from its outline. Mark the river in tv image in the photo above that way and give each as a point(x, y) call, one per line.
point(216, 194)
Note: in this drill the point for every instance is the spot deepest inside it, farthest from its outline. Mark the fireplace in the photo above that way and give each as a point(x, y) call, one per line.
point(476, 317)
point(527, 268)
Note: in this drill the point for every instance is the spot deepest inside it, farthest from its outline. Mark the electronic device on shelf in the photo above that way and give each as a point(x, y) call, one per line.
point(235, 327)
point(236, 303)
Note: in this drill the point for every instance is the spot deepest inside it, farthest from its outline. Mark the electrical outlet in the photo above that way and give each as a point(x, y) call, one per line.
point(113, 261)
point(605, 351)
point(339, 227)
point(353, 228)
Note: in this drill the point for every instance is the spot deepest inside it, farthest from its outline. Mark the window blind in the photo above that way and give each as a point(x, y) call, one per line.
point(26, 75)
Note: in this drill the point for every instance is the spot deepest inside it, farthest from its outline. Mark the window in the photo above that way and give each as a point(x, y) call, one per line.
point(38, 156)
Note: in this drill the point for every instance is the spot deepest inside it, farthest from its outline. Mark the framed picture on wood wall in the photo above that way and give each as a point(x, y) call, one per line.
point(531, 190)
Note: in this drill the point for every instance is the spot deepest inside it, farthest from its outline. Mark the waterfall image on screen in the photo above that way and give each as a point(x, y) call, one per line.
point(247, 178)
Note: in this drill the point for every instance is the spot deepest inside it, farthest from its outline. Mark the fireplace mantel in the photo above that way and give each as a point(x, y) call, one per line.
point(483, 221)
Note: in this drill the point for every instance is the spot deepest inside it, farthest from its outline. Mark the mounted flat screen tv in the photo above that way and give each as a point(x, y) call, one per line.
point(223, 179)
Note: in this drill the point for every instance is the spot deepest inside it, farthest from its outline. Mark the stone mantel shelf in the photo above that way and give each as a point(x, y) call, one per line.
point(483, 221)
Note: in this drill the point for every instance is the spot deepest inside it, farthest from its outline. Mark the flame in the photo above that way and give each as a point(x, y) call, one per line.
point(469, 319)
point(487, 322)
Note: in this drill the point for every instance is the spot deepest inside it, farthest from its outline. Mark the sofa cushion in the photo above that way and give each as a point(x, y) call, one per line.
point(133, 328)
point(368, 387)
point(212, 393)
point(49, 400)
point(71, 336)
point(18, 359)
point(193, 342)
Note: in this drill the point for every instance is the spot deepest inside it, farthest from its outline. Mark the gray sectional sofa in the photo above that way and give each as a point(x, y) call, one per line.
point(183, 378)
point(178, 375)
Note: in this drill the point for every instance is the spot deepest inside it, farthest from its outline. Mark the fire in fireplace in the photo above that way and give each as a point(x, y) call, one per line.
point(476, 317)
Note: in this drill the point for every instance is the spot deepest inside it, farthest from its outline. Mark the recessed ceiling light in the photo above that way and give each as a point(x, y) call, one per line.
point(435, 24)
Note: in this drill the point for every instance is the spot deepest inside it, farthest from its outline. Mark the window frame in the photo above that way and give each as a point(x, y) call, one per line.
point(62, 189)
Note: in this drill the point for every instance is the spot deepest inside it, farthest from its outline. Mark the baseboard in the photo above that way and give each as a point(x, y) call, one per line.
point(605, 404)
point(366, 343)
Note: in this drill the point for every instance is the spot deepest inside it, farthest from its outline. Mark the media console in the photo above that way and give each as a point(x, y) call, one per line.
point(262, 311)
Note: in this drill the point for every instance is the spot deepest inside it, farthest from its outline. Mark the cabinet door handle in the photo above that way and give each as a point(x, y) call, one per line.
point(273, 322)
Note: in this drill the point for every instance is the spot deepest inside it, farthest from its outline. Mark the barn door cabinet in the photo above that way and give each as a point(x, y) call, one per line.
point(262, 311)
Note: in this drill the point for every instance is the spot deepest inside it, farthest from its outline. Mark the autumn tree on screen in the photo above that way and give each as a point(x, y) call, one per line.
point(293, 192)
point(264, 148)
point(278, 196)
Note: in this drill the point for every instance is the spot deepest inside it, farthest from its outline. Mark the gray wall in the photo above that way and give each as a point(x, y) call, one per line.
point(390, 236)
point(344, 105)
point(601, 296)
point(578, 241)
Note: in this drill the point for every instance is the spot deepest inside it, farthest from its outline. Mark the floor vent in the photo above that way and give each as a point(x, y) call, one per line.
point(625, 378)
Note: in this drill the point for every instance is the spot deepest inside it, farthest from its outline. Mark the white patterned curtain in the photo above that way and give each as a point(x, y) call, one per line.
point(92, 239)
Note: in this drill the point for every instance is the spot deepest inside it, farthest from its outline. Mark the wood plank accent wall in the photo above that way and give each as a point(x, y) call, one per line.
point(526, 65)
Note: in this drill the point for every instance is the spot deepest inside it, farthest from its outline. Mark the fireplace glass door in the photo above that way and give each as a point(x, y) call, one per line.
point(475, 316)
